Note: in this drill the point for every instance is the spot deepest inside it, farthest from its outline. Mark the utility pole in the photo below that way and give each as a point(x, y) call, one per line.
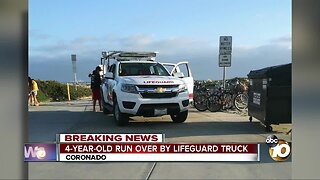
point(74, 68)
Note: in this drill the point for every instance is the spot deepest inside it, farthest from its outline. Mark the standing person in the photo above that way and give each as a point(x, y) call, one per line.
point(91, 76)
point(95, 87)
point(29, 90)
point(34, 92)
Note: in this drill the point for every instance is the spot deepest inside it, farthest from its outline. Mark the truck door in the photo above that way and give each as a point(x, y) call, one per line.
point(184, 68)
point(108, 85)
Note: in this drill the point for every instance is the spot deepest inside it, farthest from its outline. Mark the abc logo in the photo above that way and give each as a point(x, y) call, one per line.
point(279, 149)
point(272, 140)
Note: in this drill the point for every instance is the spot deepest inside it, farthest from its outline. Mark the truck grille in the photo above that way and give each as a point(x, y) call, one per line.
point(158, 91)
point(156, 86)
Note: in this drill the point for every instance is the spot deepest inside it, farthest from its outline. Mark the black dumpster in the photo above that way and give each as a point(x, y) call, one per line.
point(270, 95)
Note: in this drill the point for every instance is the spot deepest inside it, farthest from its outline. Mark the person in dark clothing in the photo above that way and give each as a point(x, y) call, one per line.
point(95, 87)
point(91, 76)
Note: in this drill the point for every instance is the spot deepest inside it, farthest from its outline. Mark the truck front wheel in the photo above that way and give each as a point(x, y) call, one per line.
point(120, 118)
point(180, 117)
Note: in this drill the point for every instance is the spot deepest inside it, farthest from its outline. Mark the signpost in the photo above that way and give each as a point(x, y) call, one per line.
point(74, 69)
point(225, 49)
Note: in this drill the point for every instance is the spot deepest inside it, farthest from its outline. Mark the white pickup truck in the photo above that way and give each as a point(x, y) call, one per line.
point(136, 85)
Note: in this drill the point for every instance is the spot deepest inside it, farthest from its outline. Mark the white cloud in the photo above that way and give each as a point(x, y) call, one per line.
point(84, 40)
point(201, 54)
point(37, 35)
point(285, 41)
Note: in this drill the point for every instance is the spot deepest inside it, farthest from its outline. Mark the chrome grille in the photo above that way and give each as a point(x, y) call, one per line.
point(158, 91)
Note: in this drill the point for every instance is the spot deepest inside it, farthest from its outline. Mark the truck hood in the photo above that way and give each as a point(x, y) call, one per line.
point(151, 80)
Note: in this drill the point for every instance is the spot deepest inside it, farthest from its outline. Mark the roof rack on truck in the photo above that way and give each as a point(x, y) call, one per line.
point(125, 56)
point(129, 56)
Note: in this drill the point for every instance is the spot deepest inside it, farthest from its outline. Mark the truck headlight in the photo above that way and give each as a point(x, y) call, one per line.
point(129, 88)
point(182, 88)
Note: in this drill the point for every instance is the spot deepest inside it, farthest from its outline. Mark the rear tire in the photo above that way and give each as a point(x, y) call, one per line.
point(228, 101)
point(200, 103)
point(120, 118)
point(214, 103)
point(180, 117)
point(269, 128)
point(241, 102)
point(105, 110)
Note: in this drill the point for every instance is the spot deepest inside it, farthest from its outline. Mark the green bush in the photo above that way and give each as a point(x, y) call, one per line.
point(56, 91)
point(77, 92)
point(42, 97)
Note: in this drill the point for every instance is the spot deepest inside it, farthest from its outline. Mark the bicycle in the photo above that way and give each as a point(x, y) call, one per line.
point(241, 100)
point(233, 96)
point(200, 95)
point(220, 99)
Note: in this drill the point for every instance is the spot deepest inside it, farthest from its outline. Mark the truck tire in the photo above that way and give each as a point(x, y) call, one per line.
point(180, 117)
point(120, 118)
point(269, 128)
point(105, 110)
point(104, 104)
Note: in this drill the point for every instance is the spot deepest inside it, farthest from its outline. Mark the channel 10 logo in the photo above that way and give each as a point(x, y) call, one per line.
point(279, 149)
point(40, 152)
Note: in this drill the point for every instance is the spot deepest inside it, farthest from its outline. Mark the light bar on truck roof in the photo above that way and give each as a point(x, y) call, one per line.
point(136, 59)
point(127, 56)
point(138, 54)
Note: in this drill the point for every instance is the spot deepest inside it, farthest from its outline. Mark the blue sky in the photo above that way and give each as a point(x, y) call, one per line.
point(178, 29)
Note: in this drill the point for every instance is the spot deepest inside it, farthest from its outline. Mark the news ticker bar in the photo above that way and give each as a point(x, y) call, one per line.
point(142, 152)
point(135, 147)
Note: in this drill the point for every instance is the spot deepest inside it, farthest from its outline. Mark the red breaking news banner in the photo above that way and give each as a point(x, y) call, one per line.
point(158, 148)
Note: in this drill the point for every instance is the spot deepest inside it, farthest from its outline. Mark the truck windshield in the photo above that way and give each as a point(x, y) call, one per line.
point(140, 69)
